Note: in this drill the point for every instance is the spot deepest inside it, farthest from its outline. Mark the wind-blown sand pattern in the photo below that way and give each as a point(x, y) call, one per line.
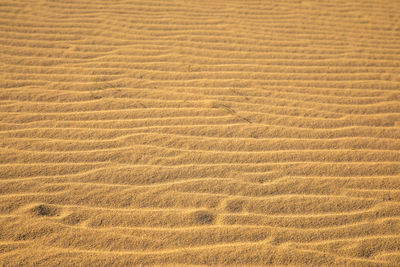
point(243, 133)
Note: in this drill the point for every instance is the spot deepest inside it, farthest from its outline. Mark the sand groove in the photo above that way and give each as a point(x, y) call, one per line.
point(243, 133)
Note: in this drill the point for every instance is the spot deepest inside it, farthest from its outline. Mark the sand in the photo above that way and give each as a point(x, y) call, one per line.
point(199, 133)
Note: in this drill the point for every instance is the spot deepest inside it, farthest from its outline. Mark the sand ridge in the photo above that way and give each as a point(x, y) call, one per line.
point(199, 133)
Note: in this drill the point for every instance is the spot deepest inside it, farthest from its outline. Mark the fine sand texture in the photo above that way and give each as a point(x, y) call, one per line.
point(200, 133)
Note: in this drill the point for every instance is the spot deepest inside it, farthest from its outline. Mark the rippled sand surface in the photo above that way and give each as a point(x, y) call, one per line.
point(215, 133)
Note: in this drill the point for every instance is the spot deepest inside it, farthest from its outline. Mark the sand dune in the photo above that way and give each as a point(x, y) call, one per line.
point(200, 133)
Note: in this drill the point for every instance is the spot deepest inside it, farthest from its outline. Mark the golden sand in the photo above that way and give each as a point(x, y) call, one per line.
point(243, 133)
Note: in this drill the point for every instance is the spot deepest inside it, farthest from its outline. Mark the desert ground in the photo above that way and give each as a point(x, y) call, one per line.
point(200, 133)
